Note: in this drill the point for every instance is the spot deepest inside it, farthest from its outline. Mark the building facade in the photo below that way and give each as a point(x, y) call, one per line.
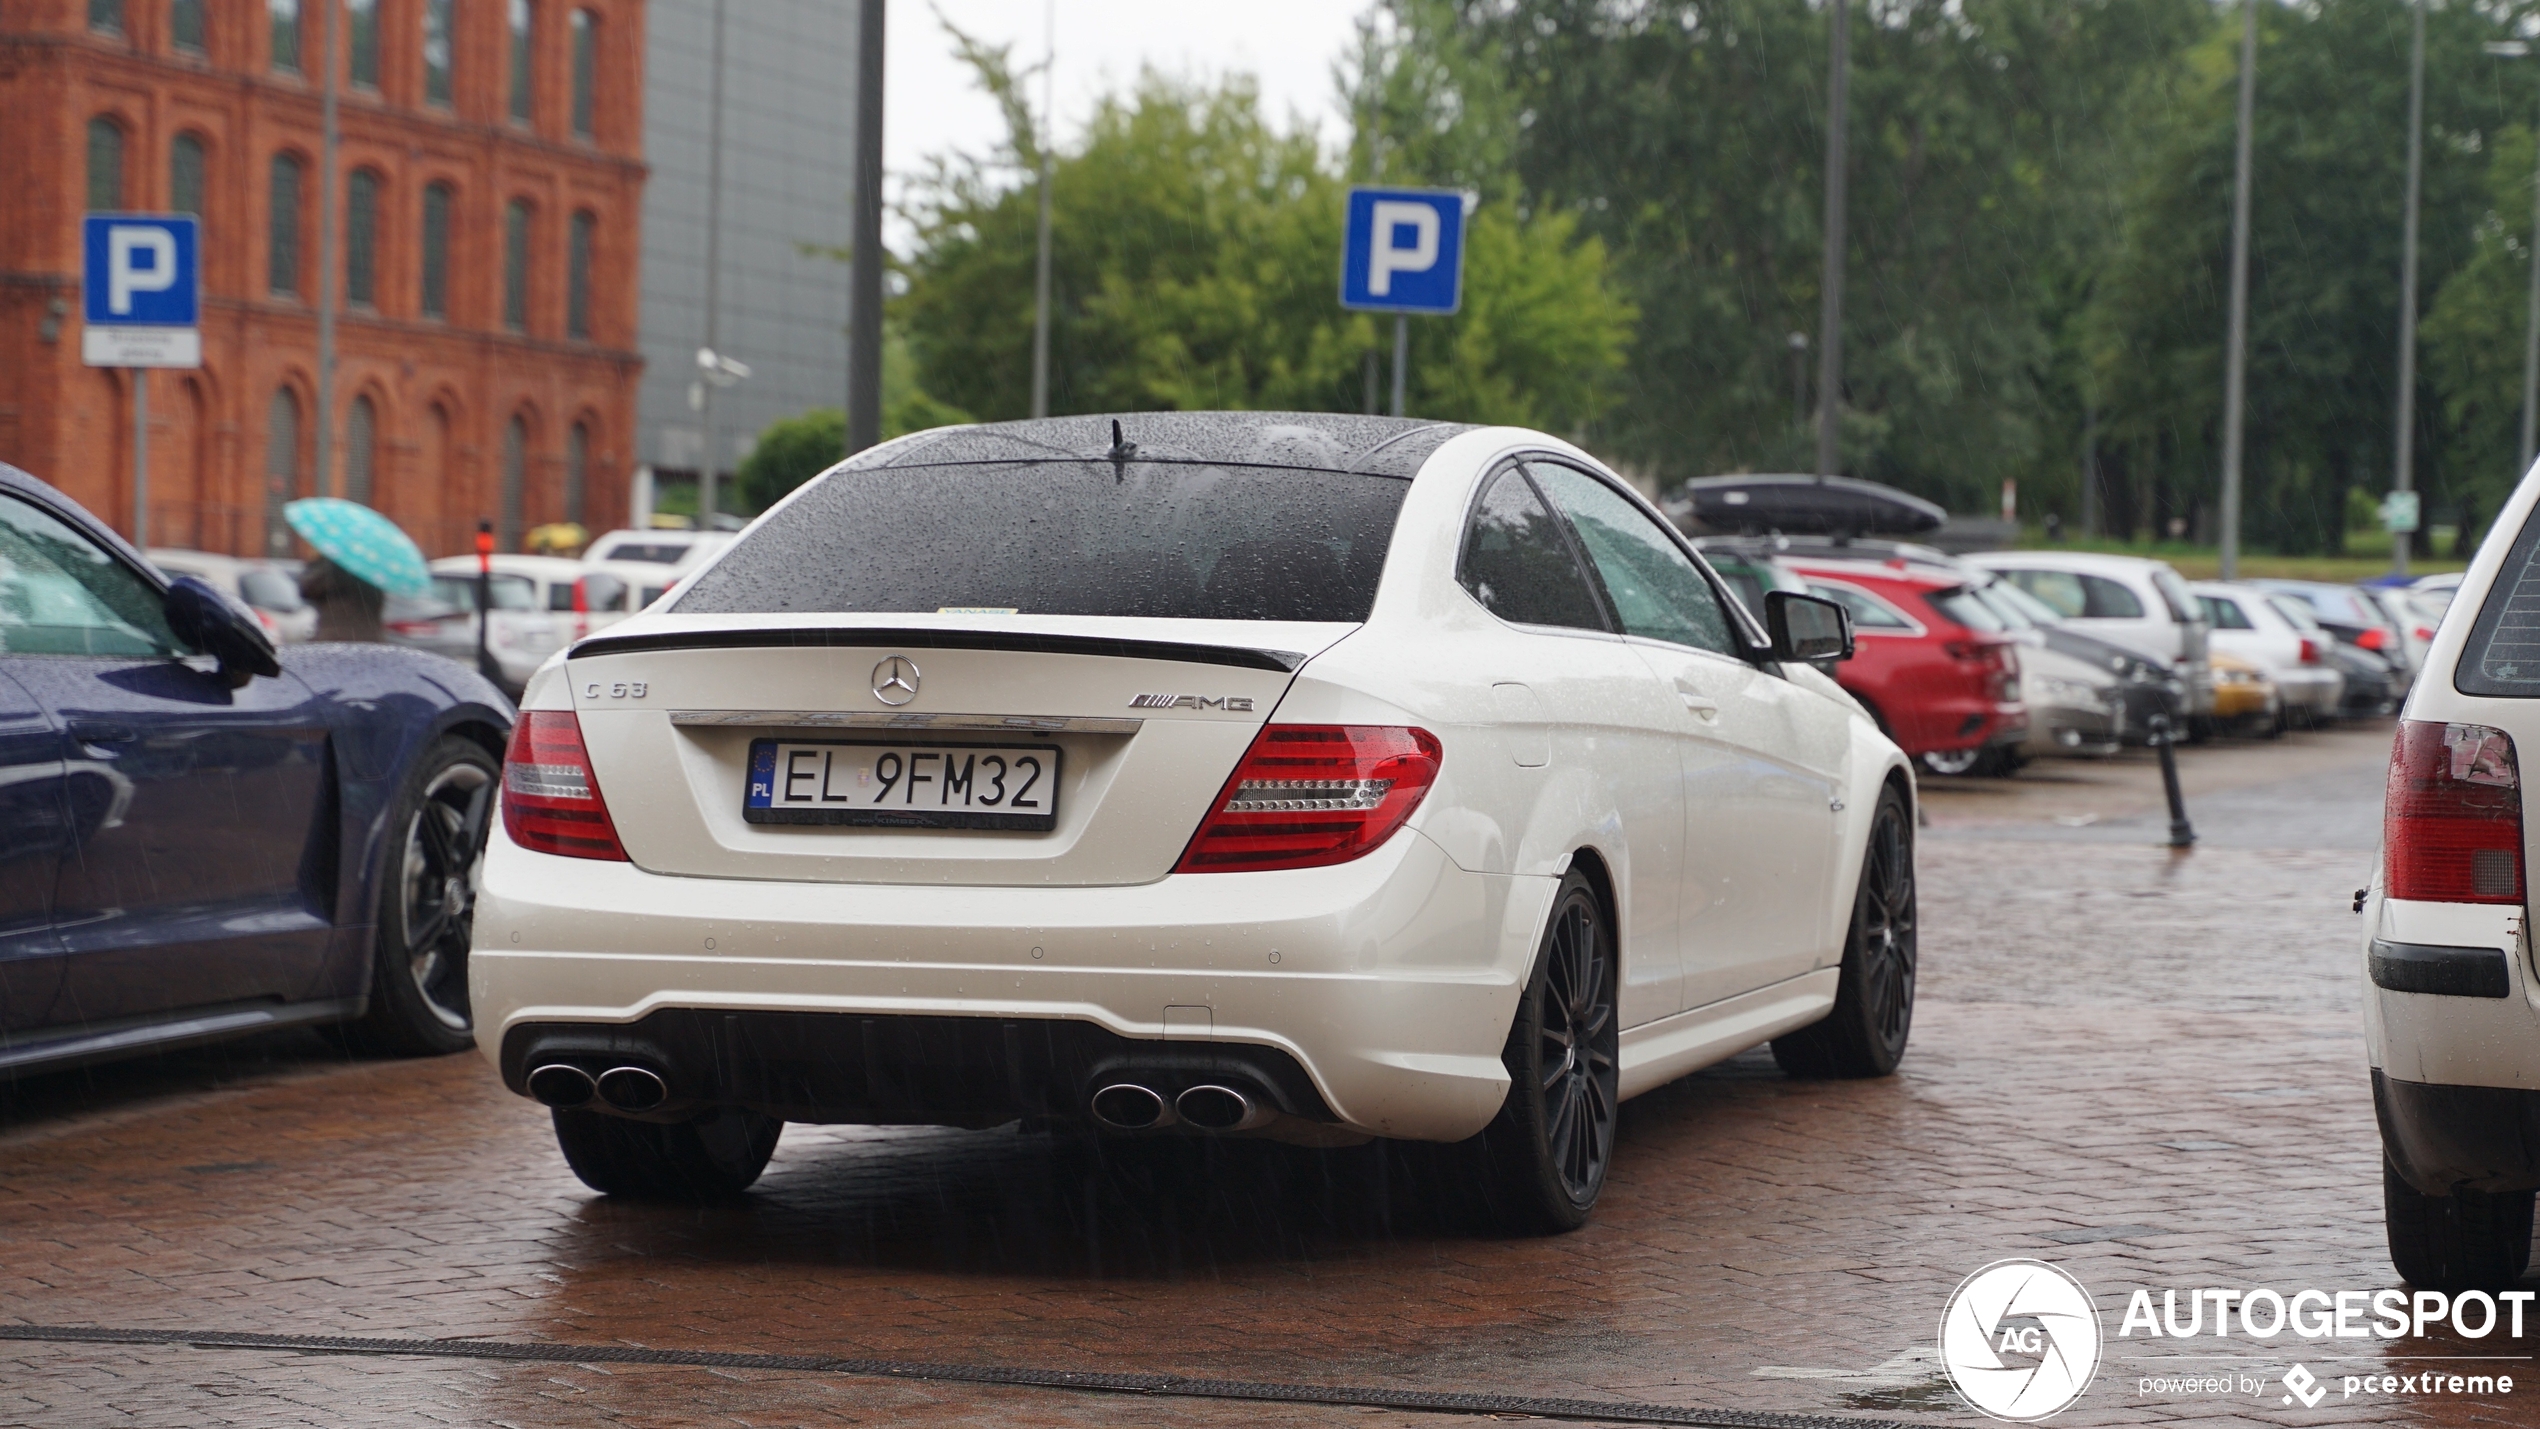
point(780, 299)
point(489, 190)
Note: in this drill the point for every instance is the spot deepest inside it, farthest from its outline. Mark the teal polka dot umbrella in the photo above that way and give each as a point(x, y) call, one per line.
point(362, 543)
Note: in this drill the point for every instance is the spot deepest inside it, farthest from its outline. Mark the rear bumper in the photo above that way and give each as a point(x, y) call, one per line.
point(2447, 1138)
point(1389, 982)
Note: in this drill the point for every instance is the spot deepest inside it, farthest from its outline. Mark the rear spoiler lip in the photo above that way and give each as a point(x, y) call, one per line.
point(1285, 662)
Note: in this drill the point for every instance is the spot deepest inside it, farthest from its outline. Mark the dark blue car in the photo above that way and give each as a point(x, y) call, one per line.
point(200, 838)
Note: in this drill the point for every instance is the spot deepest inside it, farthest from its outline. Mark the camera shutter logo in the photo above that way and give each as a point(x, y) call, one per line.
point(2021, 1340)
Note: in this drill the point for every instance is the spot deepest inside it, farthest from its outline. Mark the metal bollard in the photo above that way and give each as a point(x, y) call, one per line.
point(2182, 833)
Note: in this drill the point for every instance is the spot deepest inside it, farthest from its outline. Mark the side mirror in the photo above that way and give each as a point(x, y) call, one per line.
point(1809, 629)
point(210, 622)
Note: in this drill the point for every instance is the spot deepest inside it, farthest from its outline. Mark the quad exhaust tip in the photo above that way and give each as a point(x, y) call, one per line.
point(1215, 1108)
point(633, 1088)
point(1126, 1106)
point(561, 1084)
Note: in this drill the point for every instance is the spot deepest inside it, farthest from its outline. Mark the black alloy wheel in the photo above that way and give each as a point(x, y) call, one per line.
point(1550, 1146)
point(1865, 1034)
point(427, 904)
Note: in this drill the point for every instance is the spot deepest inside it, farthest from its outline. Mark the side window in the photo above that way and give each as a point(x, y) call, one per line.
point(1518, 565)
point(2060, 590)
point(2224, 614)
point(1656, 590)
point(62, 594)
point(1868, 611)
point(2109, 599)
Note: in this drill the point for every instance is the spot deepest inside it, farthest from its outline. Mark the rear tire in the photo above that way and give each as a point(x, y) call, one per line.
point(425, 909)
point(1544, 1157)
point(2469, 1240)
point(709, 1158)
point(1864, 1036)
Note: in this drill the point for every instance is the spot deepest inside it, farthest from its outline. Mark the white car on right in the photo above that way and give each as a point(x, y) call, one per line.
point(2452, 998)
point(2248, 624)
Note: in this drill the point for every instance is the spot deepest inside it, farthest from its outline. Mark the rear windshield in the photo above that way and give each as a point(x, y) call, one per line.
point(2502, 656)
point(652, 553)
point(1960, 604)
point(510, 592)
point(1151, 539)
point(269, 589)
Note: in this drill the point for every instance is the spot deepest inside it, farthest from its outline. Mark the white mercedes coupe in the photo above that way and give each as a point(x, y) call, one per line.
point(1297, 776)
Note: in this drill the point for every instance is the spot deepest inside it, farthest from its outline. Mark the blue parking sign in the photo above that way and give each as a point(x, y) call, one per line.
point(1403, 251)
point(139, 270)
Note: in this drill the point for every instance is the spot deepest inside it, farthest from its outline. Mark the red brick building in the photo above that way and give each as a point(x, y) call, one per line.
point(490, 178)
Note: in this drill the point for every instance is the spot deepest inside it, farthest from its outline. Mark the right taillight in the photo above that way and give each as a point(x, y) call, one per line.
point(2310, 651)
point(1307, 795)
point(551, 799)
point(2451, 820)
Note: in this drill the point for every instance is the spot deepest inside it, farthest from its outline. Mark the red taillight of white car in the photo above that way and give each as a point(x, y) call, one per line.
point(2451, 821)
point(2310, 651)
point(1306, 795)
point(551, 799)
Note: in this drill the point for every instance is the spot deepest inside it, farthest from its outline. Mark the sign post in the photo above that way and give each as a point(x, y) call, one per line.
point(140, 285)
point(1403, 253)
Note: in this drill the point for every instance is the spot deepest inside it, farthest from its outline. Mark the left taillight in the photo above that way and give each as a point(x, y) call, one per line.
point(551, 799)
point(1309, 795)
point(2451, 820)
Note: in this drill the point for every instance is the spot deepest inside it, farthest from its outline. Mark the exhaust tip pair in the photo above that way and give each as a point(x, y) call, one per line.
point(1127, 1106)
point(563, 1085)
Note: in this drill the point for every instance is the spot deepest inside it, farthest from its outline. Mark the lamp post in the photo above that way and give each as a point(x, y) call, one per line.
point(701, 394)
point(2403, 463)
point(2236, 360)
point(1041, 261)
point(1830, 285)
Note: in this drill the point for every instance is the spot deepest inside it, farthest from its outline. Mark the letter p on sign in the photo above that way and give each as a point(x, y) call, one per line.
point(1403, 251)
point(126, 245)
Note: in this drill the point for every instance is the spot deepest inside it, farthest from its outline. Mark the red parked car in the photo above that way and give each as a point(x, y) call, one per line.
point(1933, 664)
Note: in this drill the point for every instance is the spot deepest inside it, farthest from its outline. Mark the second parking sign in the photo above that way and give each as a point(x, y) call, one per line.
point(1404, 251)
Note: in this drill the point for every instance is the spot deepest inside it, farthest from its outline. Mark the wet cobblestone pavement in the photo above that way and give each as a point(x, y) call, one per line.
point(2146, 1067)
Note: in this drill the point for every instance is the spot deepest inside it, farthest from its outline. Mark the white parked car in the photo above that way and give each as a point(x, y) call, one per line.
point(2133, 600)
point(269, 589)
point(1308, 777)
point(2248, 623)
point(675, 552)
point(577, 599)
point(2452, 1006)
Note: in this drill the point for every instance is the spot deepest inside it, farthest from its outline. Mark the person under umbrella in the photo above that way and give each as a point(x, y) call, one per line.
point(362, 559)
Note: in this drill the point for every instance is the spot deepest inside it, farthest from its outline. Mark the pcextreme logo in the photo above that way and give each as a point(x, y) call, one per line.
point(2020, 1339)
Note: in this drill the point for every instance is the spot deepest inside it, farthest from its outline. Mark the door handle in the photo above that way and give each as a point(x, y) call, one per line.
point(103, 735)
point(1704, 707)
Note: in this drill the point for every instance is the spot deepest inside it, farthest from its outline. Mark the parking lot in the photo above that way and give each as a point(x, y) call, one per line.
point(2139, 1064)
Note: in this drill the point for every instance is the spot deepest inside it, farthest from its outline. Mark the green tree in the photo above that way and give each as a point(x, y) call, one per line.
point(1688, 134)
point(2474, 338)
point(1196, 254)
point(2330, 147)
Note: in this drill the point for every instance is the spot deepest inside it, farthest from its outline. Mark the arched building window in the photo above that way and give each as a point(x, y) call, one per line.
point(577, 471)
point(361, 449)
point(586, 43)
point(436, 251)
point(577, 277)
point(437, 27)
point(282, 238)
point(515, 479)
point(361, 35)
point(185, 174)
point(361, 238)
point(105, 163)
point(524, 54)
point(283, 29)
point(516, 265)
point(282, 466)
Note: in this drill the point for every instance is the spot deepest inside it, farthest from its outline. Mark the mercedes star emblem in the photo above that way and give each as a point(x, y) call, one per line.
point(895, 681)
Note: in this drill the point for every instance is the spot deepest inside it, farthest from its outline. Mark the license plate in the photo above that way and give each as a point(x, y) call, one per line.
point(902, 784)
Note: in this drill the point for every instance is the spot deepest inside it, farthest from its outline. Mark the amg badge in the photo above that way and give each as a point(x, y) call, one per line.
point(1240, 704)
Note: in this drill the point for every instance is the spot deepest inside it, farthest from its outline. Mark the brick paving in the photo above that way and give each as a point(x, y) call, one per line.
point(2145, 1067)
